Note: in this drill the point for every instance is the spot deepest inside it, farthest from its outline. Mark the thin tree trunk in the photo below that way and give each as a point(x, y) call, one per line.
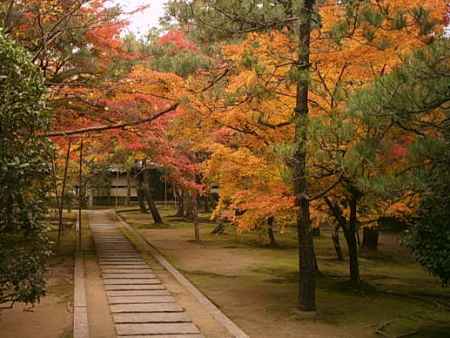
point(370, 239)
point(270, 233)
point(352, 243)
point(195, 217)
point(80, 195)
point(206, 209)
point(188, 205)
point(55, 181)
point(180, 203)
point(307, 282)
point(63, 191)
point(127, 202)
point(140, 193)
point(349, 228)
point(337, 243)
point(149, 198)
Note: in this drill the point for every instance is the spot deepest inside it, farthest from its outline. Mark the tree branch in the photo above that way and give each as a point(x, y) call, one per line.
point(112, 126)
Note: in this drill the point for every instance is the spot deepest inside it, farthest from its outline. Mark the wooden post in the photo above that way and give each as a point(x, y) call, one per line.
point(80, 197)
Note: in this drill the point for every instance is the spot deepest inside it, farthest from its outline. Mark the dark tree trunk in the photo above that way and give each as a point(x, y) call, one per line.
point(219, 229)
point(337, 243)
point(188, 205)
point(349, 228)
point(307, 282)
point(206, 201)
point(195, 218)
point(350, 237)
point(127, 202)
point(149, 198)
point(180, 203)
point(370, 239)
point(63, 192)
point(270, 233)
point(140, 193)
point(352, 243)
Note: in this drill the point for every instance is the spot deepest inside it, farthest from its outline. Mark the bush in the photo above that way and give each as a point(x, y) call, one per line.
point(24, 174)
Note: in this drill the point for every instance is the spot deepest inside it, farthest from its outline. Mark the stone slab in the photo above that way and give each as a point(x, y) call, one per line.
point(128, 275)
point(152, 329)
point(124, 267)
point(158, 307)
point(137, 293)
point(125, 271)
point(118, 256)
point(140, 299)
point(103, 262)
point(134, 287)
point(166, 336)
point(171, 317)
point(126, 281)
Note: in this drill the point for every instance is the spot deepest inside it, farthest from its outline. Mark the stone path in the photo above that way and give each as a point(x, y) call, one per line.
point(140, 304)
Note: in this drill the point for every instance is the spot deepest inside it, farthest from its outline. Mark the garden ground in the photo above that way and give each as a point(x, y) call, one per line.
point(256, 286)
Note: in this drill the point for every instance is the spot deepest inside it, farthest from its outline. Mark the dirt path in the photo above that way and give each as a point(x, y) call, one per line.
point(139, 302)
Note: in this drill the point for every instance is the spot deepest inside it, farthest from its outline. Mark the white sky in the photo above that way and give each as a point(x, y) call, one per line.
point(142, 21)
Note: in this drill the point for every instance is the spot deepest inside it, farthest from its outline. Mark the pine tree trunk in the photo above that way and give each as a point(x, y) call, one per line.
point(149, 198)
point(307, 283)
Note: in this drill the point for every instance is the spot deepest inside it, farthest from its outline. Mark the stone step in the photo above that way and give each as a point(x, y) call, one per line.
point(138, 293)
point(152, 307)
point(171, 317)
point(159, 328)
point(127, 271)
point(126, 281)
point(128, 275)
point(124, 267)
point(140, 299)
point(134, 287)
point(165, 336)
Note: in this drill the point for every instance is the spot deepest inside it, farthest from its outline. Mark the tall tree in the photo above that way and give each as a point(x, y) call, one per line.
point(225, 19)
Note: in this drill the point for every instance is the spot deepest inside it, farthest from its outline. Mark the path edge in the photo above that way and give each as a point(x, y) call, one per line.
point(80, 313)
point(212, 309)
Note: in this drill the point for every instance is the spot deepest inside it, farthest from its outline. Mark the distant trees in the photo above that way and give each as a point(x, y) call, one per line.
point(24, 172)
